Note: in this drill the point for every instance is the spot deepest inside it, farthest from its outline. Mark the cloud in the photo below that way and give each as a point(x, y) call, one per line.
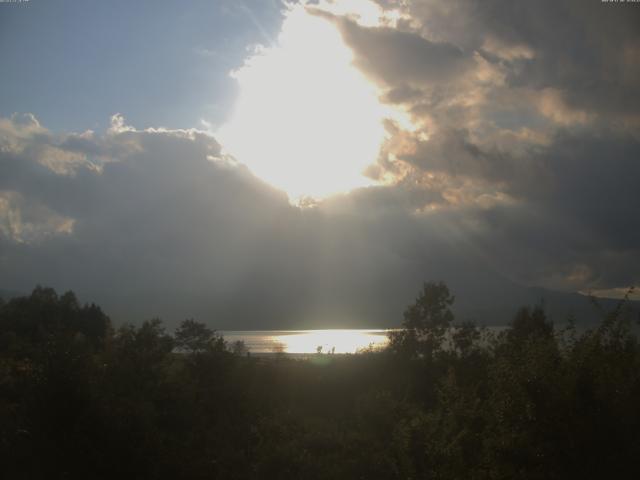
point(522, 129)
point(395, 57)
point(171, 227)
point(24, 221)
point(519, 168)
point(585, 50)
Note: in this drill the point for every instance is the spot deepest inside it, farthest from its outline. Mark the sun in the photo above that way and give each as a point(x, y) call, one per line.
point(306, 120)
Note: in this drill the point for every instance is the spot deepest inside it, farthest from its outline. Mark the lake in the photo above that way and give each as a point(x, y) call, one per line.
point(308, 341)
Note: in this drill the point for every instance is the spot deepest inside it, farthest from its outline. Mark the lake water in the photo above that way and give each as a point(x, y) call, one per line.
point(308, 341)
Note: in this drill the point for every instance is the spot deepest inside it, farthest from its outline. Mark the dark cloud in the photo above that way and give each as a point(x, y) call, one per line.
point(563, 206)
point(535, 143)
point(586, 49)
point(403, 58)
point(521, 170)
point(173, 228)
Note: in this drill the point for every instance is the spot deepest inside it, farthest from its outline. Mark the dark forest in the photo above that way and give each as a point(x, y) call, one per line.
point(82, 399)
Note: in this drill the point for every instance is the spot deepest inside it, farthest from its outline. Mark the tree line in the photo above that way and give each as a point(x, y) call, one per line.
point(80, 398)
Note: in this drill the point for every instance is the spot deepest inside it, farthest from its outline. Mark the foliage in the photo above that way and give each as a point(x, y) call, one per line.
point(425, 323)
point(79, 399)
point(196, 337)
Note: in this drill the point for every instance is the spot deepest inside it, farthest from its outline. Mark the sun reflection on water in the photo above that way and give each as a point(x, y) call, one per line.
point(310, 341)
point(330, 341)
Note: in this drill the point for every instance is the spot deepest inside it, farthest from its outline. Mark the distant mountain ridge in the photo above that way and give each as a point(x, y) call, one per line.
point(8, 294)
point(559, 306)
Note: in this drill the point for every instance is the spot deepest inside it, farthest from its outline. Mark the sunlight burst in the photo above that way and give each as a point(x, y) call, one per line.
point(306, 120)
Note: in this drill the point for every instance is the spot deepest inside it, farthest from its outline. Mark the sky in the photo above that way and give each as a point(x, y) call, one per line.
point(259, 164)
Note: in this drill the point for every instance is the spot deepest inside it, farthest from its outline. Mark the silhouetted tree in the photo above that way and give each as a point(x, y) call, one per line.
point(524, 403)
point(425, 322)
point(530, 323)
point(196, 337)
point(465, 336)
point(42, 315)
point(239, 348)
